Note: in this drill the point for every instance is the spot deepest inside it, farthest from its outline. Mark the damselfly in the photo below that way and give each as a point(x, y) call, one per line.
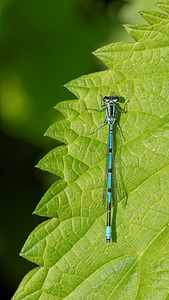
point(109, 103)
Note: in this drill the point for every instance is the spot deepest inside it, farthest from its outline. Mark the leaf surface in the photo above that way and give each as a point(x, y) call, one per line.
point(76, 262)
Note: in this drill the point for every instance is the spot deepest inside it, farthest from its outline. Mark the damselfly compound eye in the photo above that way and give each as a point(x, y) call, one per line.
point(106, 99)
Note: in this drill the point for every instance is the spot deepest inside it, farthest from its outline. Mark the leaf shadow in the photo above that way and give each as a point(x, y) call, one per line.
point(114, 233)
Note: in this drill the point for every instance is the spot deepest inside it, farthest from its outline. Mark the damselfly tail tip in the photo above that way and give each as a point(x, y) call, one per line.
point(108, 234)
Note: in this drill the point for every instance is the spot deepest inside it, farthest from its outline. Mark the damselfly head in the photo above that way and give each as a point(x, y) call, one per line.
point(112, 98)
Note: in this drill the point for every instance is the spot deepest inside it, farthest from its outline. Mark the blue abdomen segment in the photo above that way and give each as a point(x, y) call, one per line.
point(108, 234)
point(109, 197)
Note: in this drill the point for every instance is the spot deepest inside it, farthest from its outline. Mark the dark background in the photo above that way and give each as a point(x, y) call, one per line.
point(43, 44)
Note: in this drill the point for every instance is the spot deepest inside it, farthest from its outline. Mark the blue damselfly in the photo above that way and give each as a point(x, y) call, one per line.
point(109, 103)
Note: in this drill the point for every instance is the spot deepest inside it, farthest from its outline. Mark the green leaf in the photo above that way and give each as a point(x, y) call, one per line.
point(76, 262)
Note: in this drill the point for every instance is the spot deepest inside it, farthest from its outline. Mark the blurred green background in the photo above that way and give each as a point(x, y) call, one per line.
point(43, 44)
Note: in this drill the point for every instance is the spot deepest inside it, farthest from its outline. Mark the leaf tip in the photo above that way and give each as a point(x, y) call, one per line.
point(127, 27)
point(66, 85)
point(141, 12)
point(21, 253)
point(164, 5)
point(95, 52)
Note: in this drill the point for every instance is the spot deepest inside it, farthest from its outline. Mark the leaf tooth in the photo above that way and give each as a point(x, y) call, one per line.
point(50, 203)
point(164, 5)
point(78, 86)
point(70, 108)
point(137, 32)
point(154, 17)
point(59, 162)
point(62, 131)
